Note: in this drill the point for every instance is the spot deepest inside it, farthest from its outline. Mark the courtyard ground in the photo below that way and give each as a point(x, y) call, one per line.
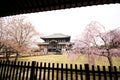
point(73, 59)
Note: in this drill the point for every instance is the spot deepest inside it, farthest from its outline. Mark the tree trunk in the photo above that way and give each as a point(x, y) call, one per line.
point(16, 58)
point(7, 56)
point(91, 59)
point(110, 59)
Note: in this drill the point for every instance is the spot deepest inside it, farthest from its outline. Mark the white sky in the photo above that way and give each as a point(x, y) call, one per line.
point(73, 21)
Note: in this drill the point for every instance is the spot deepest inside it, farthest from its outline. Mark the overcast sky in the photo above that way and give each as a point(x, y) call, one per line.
point(73, 21)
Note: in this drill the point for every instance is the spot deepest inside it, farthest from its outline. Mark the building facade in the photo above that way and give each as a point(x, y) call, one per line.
point(54, 43)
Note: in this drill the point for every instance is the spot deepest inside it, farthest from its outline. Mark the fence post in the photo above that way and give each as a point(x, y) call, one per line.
point(87, 75)
point(116, 73)
point(71, 71)
point(57, 73)
point(32, 73)
point(81, 72)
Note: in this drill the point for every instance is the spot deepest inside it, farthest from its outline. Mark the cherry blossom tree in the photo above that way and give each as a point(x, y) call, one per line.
point(96, 41)
point(101, 42)
point(5, 48)
point(19, 33)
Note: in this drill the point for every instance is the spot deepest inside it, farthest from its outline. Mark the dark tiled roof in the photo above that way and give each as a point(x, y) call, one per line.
point(13, 7)
point(56, 35)
point(43, 44)
point(60, 43)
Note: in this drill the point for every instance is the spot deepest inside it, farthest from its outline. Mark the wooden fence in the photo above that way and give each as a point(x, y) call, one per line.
point(49, 71)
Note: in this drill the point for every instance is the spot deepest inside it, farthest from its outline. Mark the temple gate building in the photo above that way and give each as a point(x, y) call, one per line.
point(54, 43)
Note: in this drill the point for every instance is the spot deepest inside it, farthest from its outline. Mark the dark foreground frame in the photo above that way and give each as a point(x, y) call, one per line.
point(15, 7)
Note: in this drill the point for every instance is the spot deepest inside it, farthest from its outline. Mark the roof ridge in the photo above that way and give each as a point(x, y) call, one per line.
point(56, 35)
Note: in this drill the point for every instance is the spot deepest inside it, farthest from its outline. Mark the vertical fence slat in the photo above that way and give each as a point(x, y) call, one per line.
point(61, 71)
point(57, 72)
point(44, 73)
point(11, 70)
point(87, 75)
point(71, 72)
point(21, 65)
point(40, 71)
point(3, 62)
point(81, 73)
point(66, 72)
point(4, 70)
point(14, 66)
point(115, 72)
point(104, 73)
point(99, 74)
point(48, 71)
point(8, 63)
point(76, 75)
point(0, 69)
point(32, 73)
point(16, 76)
point(110, 72)
point(36, 73)
point(53, 71)
point(27, 73)
point(23, 77)
point(93, 72)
